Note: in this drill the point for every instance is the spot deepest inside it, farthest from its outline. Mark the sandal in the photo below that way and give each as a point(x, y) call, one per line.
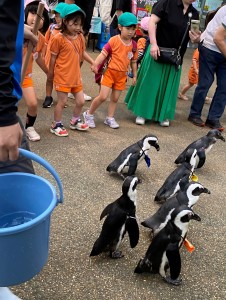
point(182, 97)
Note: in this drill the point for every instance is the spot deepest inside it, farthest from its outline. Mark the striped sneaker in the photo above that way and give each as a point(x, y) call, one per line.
point(58, 130)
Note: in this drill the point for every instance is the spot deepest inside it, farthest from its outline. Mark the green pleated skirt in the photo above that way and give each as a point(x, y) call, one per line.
point(154, 96)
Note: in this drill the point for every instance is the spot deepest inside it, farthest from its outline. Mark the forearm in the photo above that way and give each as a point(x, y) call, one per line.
point(219, 39)
point(88, 58)
point(152, 29)
point(41, 63)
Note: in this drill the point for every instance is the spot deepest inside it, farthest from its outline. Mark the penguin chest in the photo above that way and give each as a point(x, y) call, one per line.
point(207, 150)
point(119, 237)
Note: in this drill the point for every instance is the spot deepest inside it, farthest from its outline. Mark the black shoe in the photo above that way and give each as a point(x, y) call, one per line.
point(196, 121)
point(214, 124)
point(48, 102)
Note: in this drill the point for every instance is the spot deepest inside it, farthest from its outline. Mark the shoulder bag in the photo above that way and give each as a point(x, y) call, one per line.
point(172, 55)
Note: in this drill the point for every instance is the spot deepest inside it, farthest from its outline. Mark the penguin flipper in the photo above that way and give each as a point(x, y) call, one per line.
point(181, 158)
point(174, 259)
point(106, 210)
point(202, 158)
point(133, 231)
point(133, 161)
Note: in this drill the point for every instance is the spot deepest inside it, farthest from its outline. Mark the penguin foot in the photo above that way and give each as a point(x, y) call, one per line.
point(177, 281)
point(116, 254)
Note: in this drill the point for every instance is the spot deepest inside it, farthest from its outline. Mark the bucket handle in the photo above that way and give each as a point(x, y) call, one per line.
point(45, 164)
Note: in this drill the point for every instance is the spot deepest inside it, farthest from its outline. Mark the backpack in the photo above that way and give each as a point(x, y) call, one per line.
point(103, 66)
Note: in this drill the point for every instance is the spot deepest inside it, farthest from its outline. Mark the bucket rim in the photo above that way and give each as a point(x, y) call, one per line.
point(41, 218)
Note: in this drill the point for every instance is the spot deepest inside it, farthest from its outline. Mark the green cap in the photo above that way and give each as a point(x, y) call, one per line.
point(127, 19)
point(70, 9)
point(59, 7)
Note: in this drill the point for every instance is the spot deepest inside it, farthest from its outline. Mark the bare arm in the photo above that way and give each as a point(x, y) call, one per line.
point(98, 61)
point(51, 67)
point(152, 35)
point(40, 61)
point(88, 58)
point(219, 39)
point(134, 70)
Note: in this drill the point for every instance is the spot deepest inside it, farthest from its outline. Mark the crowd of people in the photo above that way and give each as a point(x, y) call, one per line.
point(64, 45)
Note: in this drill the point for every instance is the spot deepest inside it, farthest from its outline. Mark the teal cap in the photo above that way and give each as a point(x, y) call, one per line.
point(59, 7)
point(70, 9)
point(127, 19)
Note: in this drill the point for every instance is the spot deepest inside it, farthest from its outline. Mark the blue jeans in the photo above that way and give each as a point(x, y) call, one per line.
point(210, 63)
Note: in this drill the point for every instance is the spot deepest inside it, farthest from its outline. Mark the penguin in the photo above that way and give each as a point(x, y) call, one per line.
point(203, 146)
point(171, 185)
point(188, 195)
point(121, 218)
point(163, 252)
point(128, 159)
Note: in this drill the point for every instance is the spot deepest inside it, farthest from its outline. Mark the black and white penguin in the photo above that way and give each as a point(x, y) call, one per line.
point(188, 195)
point(203, 146)
point(121, 218)
point(163, 252)
point(128, 159)
point(171, 185)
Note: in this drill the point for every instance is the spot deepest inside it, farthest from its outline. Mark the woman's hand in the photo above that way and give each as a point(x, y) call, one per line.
point(195, 36)
point(155, 51)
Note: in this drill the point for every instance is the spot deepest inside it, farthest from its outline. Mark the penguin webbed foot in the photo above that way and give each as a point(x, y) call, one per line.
point(176, 281)
point(116, 254)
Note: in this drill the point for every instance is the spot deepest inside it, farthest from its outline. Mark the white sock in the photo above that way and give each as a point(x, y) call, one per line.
point(6, 294)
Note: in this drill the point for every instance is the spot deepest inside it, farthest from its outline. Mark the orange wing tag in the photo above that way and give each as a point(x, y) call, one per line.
point(188, 246)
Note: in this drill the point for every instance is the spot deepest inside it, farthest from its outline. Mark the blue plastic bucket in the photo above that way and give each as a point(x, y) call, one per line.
point(26, 204)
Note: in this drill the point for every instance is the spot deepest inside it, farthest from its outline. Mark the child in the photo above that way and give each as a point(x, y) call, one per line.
point(27, 85)
point(193, 76)
point(144, 41)
point(114, 79)
point(67, 50)
point(52, 30)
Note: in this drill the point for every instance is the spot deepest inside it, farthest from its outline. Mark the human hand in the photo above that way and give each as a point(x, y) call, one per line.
point(154, 52)
point(195, 36)
point(10, 140)
point(134, 80)
point(94, 68)
point(29, 36)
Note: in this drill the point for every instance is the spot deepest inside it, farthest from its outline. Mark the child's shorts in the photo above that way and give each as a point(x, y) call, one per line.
point(193, 78)
point(28, 82)
point(72, 90)
point(114, 79)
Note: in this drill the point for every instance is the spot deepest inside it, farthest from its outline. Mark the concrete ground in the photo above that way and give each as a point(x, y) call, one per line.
point(81, 161)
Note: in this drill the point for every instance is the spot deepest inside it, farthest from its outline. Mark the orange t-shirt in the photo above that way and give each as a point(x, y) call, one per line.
point(121, 54)
point(50, 33)
point(39, 48)
point(69, 53)
point(141, 43)
point(193, 77)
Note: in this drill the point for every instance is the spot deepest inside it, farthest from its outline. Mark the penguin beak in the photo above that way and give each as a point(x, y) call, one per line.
point(156, 146)
point(196, 217)
point(206, 191)
point(222, 138)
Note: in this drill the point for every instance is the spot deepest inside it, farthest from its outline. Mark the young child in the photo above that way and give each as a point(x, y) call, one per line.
point(29, 94)
point(193, 77)
point(50, 33)
point(144, 41)
point(114, 79)
point(67, 50)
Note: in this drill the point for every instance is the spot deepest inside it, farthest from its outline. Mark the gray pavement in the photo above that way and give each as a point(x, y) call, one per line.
point(81, 161)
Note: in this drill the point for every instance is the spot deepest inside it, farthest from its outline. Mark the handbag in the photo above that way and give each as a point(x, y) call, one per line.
point(172, 55)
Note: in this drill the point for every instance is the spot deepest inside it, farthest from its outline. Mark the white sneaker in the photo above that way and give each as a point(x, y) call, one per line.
point(6, 294)
point(32, 134)
point(111, 123)
point(165, 123)
point(70, 95)
point(140, 121)
point(87, 97)
point(89, 120)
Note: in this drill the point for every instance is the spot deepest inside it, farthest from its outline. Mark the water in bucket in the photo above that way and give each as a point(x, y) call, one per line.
point(16, 218)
